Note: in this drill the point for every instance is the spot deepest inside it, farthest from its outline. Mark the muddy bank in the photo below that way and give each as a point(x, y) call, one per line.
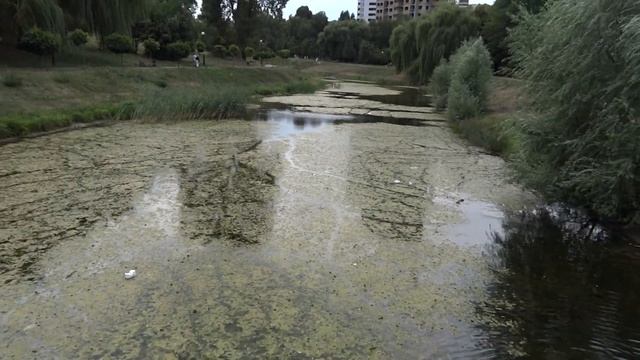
point(298, 235)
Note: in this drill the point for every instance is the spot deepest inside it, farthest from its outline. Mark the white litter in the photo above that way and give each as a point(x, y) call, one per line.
point(130, 274)
point(396, 181)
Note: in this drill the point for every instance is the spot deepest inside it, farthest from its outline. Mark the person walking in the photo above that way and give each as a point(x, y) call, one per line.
point(196, 60)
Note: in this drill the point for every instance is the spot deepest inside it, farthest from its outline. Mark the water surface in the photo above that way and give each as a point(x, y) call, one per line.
point(369, 233)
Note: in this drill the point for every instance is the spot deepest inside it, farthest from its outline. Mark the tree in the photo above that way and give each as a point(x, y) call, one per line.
point(580, 60)
point(118, 44)
point(40, 42)
point(303, 12)
point(243, 17)
point(341, 40)
point(78, 37)
point(345, 16)
point(273, 8)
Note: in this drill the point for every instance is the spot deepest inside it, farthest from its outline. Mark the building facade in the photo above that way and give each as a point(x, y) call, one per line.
point(367, 10)
point(407, 9)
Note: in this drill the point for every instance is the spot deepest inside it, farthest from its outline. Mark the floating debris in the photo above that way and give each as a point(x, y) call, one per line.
point(130, 274)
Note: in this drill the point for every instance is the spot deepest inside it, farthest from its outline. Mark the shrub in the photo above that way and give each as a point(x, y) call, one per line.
point(12, 81)
point(265, 53)
point(284, 54)
point(200, 46)
point(249, 52)
point(78, 37)
point(470, 77)
point(440, 83)
point(234, 51)
point(219, 51)
point(174, 51)
point(40, 42)
point(151, 47)
point(118, 44)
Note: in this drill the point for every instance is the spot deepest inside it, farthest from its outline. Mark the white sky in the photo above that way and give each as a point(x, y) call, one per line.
point(334, 7)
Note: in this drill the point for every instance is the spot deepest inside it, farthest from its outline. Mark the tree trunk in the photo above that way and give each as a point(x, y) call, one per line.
point(53, 59)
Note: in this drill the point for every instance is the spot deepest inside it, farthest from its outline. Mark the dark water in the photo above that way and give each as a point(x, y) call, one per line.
point(573, 288)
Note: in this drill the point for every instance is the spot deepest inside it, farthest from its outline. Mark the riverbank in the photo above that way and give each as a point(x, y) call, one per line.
point(33, 101)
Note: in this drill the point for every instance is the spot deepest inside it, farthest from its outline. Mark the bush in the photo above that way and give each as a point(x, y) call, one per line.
point(174, 51)
point(249, 52)
point(151, 47)
point(118, 43)
point(284, 54)
point(470, 77)
point(234, 51)
point(78, 37)
point(200, 46)
point(219, 51)
point(440, 83)
point(265, 53)
point(40, 42)
point(11, 81)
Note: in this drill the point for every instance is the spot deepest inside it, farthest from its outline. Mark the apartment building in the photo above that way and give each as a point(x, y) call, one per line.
point(367, 10)
point(394, 9)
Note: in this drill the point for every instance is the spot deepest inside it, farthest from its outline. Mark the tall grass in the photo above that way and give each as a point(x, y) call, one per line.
point(210, 100)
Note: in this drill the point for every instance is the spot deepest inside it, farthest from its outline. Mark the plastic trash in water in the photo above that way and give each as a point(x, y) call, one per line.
point(396, 181)
point(130, 274)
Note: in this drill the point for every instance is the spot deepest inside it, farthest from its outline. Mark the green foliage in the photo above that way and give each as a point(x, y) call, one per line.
point(404, 47)
point(369, 54)
point(418, 46)
point(78, 37)
point(219, 51)
point(440, 34)
point(118, 43)
point(580, 60)
point(341, 40)
point(249, 52)
point(200, 46)
point(174, 51)
point(491, 132)
point(234, 51)
point(440, 83)
point(303, 30)
point(151, 47)
point(265, 53)
point(470, 77)
point(284, 53)
point(40, 42)
point(11, 81)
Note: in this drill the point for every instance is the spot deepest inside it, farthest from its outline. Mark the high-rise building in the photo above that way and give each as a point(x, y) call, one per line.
point(463, 3)
point(395, 9)
point(367, 10)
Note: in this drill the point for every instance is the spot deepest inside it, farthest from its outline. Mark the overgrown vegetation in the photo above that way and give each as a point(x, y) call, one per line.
point(158, 94)
point(580, 60)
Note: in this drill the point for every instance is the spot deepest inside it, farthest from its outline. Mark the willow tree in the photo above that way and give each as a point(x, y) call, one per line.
point(404, 48)
point(581, 60)
point(99, 16)
point(440, 34)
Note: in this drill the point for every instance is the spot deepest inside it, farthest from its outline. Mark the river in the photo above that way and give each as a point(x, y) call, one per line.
point(347, 224)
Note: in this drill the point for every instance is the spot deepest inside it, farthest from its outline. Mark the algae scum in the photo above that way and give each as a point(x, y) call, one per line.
point(335, 225)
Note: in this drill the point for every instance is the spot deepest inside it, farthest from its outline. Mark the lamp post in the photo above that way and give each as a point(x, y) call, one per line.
point(204, 58)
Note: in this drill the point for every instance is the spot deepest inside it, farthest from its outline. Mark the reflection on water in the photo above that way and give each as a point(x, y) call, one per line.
point(564, 289)
point(287, 123)
point(408, 96)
